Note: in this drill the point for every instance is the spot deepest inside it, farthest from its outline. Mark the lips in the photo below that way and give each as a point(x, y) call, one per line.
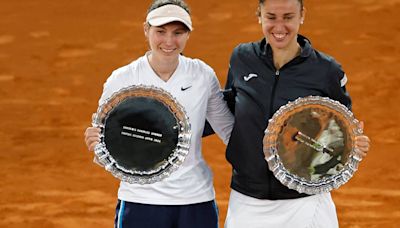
point(168, 50)
point(279, 36)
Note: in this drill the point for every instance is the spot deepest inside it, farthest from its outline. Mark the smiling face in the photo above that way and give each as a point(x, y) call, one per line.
point(167, 41)
point(280, 20)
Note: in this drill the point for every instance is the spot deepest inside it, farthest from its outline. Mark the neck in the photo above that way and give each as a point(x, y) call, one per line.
point(283, 56)
point(163, 67)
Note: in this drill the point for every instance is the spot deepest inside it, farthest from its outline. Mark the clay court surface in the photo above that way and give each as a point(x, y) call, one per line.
point(56, 55)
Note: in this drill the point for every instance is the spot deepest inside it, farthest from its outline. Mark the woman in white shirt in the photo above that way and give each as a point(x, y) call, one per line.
point(186, 198)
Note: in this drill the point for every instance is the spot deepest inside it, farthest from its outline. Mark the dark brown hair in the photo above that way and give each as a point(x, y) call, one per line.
point(260, 2)
point(158, 3)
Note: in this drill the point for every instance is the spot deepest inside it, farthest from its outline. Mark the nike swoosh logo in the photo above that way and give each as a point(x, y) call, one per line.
point(247, 78)
point(185, 88)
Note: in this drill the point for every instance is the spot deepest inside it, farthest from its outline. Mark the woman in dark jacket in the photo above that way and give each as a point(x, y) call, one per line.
point(262, 77)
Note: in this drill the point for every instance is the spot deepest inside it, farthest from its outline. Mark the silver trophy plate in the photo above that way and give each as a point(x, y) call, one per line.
point(145, 134)
point(309, 145)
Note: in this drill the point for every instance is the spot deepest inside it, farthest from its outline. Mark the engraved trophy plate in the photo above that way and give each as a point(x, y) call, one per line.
point(309, 145)
point(145, 134)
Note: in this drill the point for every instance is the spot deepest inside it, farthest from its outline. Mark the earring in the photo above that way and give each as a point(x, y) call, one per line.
point(301, 22)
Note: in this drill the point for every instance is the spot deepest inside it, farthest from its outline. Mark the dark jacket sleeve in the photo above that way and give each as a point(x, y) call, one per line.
point(207, 129)
point(230, 91)
point(337, 85)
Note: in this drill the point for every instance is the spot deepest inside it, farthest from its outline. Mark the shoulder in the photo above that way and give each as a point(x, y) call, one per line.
point(322, 56)
point(245, 52)
point(124, 73)
point(246, 48)
point(332, 68)
point(335, 70)
point(119, 73)
point(120, 78)
point(196, 66)
point(318, 57)
point(325, 60)
point(200, 73)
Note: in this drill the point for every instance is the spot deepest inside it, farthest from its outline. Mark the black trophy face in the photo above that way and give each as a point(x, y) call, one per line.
point(145, 134)
point(141, 133)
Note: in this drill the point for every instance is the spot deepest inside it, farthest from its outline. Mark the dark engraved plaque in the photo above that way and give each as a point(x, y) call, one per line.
point(145, 134)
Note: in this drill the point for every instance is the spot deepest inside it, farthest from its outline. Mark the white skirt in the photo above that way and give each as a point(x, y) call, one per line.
point(317, 211)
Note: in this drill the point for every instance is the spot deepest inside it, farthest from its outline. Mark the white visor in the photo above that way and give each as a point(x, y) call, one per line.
point(167, 14)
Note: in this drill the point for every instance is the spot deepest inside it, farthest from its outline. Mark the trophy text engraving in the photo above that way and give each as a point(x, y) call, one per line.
point(141, 134)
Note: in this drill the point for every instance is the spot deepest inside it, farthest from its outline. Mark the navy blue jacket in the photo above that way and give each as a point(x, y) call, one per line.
point(257, 91)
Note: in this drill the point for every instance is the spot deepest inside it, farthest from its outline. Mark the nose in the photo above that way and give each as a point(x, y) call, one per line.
point(280, 23)
point(169, 39)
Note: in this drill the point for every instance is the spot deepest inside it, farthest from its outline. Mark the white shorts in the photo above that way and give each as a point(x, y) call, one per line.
point(317, 211)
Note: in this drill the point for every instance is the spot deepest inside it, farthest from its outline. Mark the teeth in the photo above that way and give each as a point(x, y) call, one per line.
point(167, 50)
point(279, 36)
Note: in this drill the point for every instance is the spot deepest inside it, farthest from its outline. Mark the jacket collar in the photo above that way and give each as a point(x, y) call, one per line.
point(264, 49)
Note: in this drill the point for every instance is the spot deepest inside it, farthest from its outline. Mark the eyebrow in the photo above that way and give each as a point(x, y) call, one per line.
point(175, 30)
point(286, 14)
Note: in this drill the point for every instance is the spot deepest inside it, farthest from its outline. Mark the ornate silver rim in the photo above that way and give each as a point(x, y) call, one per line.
point(298, 183)
point(105, 159)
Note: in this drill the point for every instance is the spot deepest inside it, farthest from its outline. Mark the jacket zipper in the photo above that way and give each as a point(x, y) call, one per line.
point(277, 74)
point(271, 104)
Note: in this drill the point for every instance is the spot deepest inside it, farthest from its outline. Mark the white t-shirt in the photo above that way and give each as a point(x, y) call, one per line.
point(192, 182)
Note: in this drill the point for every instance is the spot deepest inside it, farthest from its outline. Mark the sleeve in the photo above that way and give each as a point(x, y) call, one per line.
point(337, 85)
point(114, 83)
point(218, 114)
point(229, 94)
point(230, 91)
point(108, 89)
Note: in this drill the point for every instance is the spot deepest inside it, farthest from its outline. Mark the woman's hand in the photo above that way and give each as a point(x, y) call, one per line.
point(362, 143)
point(92, 137)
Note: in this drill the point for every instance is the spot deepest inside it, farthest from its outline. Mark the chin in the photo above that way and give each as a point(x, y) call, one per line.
point(279, 45)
